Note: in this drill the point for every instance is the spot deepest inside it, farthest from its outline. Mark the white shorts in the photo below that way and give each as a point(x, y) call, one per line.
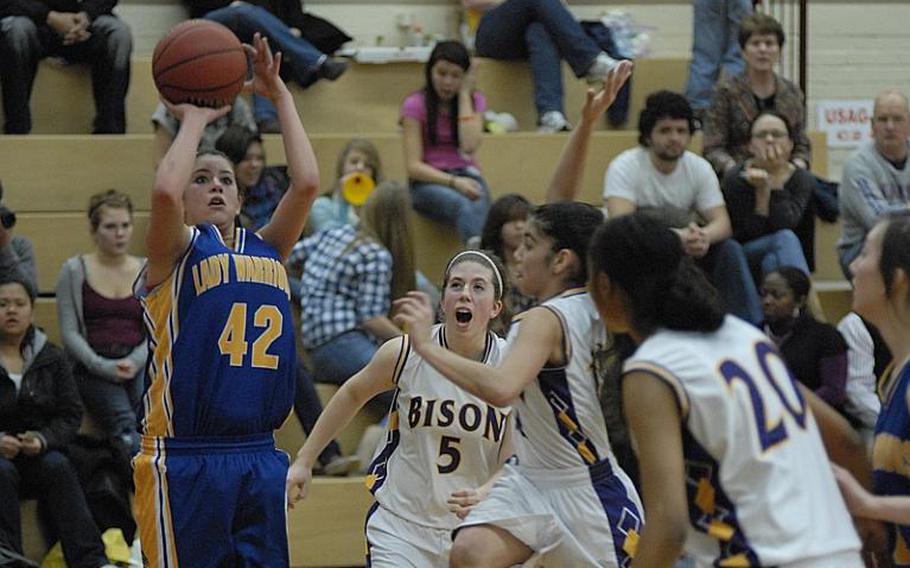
point(395, 542)
point(569, 517)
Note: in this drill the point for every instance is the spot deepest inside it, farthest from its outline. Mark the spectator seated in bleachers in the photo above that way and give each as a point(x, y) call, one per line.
point(40, 413)
point(876, 179)
point(768, 200)
point(739, 99)
point(349, 277)
point(166, 127)
point(262, 185)
point(543, 32)
point(303, 40)
point(443, 128)
point(815, 352)
point(502, 234)
point(101, 323)
point(332, 210)
point(84, 31)
point(679, 188)
point(16, 252)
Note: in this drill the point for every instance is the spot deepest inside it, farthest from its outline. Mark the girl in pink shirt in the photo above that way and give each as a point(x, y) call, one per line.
point(443, 127)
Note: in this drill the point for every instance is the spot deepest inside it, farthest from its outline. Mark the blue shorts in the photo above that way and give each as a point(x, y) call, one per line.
point(212, 502)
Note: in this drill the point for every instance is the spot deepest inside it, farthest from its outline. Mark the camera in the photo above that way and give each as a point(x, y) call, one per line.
point(7, 217)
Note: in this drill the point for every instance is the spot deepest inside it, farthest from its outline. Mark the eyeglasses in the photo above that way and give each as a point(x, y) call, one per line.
point(775, 134)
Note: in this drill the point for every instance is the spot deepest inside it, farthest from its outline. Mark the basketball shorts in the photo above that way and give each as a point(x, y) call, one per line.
point(395, 542)
point(584, 516)
point(212, 502)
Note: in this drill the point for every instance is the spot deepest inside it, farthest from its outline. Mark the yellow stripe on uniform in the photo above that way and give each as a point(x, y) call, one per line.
point(402, 358)
point(156, 531)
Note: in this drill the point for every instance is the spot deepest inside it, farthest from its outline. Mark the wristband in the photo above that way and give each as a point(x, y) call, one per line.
point(467, 117)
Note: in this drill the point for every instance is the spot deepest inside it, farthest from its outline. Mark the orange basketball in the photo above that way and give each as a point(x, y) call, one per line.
point(199, 62)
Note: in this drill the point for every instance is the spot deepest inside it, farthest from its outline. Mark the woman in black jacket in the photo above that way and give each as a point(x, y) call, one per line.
point(40, 412)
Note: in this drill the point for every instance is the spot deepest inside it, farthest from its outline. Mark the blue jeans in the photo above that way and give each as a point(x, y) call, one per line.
point(765, 254)
point(298, 54)
point(715, 45)
point(108, 50)
point(445, 204)
point(343, 356)
point(542, 32)
point(728, 270)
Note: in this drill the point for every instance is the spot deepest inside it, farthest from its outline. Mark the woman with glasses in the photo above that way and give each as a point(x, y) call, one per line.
point(738, 100)
point(768, 199)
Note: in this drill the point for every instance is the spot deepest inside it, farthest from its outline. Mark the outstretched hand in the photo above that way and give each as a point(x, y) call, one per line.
point(184, 111)
point(414, 314)
point(599, 101)
point(266, 81)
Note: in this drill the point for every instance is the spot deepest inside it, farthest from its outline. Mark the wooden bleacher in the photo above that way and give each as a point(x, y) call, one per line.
point(49, 176)
point(365, 99)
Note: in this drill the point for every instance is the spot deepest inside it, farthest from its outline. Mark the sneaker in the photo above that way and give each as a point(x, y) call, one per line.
point(597, 72)
point(341, 466)
point(332, 68)
point(473, 243)
point(553, 121)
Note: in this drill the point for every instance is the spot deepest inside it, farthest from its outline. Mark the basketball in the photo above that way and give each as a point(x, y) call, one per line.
point(199, 62)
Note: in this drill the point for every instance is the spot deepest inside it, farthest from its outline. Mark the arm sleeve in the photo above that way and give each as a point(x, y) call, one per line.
point(788, 206)
point(64, 424)
point(19, 256)
point(374, 288)
point(861, 193)
point(33, 9)
point(862, 401)
point(831, 367)
point(747, 225)
point(802, 148)
point(717, 132)
point(414, 107)
point(620, 179)
point(708, 194)
point(72, 339)
point(95, 8)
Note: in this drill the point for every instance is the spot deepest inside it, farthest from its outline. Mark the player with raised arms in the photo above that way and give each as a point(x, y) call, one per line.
point(566, 501)
point(732, 465)
point(440, 440)
point(210, 483)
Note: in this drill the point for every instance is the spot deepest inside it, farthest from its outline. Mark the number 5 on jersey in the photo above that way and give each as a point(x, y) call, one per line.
point(233, 343)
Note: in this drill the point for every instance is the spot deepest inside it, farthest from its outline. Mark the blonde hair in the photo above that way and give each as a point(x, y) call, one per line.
point(112, 199)
point(386, 219)
point(368, 149)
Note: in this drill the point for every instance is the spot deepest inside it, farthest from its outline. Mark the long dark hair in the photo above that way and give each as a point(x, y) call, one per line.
point(511, 207)
point(895, 248)
point(453, 52)
point(663, 285)
point(571, 225)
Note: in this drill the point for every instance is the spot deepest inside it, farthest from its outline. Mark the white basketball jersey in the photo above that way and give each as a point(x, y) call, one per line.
point(439, 439)
point(759, 486)
point(559, 422)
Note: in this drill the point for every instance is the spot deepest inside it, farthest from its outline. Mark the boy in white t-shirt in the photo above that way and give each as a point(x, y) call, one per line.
point(682, 191)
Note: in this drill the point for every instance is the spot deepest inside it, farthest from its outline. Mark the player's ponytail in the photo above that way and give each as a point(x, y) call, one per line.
point(662, 287)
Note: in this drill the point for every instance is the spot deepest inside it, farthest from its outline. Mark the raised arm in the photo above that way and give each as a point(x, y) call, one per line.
point(376, 377)
point(168, 235)
point(539, 339)
point(286, 225)
point(565, 184)
point(470, 119)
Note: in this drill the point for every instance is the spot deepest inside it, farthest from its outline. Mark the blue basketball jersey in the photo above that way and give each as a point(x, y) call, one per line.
point(891, 468)
point(222, 340)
